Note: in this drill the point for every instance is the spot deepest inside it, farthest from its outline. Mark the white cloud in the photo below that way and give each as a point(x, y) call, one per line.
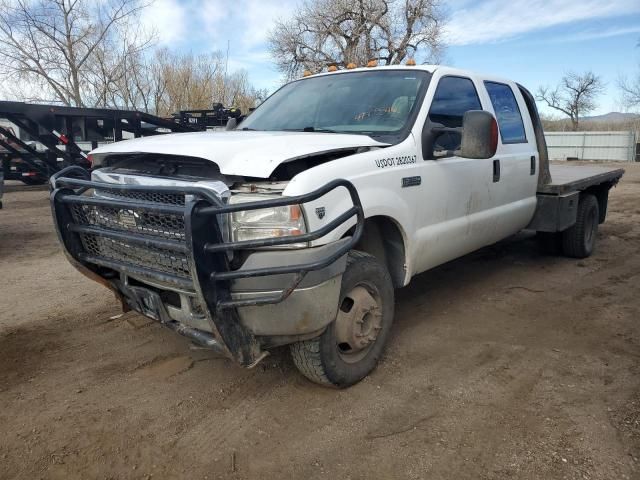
point(214, 14)
point(247, 21)
point(169, 19)
point(496, 20)
point(260, 15)
point(593, 34)
point(245, 24)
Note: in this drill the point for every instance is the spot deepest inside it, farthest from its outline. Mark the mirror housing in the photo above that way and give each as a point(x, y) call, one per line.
point(232, 123)
point(479, 135)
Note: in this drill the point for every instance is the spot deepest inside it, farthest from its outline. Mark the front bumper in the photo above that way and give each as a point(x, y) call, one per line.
point(162, 250)
point(308, 309)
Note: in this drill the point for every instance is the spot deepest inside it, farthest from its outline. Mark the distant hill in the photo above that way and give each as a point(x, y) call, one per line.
point(612, 121)
point(612, 117)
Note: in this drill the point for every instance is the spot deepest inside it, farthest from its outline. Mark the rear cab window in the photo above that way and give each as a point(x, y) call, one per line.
point(507, 112)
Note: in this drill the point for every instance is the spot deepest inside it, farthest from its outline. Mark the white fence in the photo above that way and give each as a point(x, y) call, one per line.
point(617, 146)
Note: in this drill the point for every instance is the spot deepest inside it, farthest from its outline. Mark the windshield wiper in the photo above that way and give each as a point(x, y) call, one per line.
point(311, 129)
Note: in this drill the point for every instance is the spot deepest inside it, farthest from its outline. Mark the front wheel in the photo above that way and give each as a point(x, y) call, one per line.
point(352, 344)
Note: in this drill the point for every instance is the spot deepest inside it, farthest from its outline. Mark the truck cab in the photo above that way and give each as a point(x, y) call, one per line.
point(295, 227)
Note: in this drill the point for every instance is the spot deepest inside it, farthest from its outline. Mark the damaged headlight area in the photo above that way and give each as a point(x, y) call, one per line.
point(266, 222)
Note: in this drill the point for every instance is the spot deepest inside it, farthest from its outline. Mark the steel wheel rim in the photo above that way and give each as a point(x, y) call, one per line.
point(358, 323)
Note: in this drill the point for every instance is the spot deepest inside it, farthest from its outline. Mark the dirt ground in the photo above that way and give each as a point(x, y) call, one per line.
point(503, 364)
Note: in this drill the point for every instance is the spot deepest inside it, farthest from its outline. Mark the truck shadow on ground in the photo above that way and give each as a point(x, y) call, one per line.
point(159, 350)
point(456, 278)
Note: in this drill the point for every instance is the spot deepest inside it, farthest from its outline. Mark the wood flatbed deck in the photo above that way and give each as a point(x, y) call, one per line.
point(570, 178)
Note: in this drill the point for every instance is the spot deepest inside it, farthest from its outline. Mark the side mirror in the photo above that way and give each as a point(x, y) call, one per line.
point(479, 135)
point(232, 123)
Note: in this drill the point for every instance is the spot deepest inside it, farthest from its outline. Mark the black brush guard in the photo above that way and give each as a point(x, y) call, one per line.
point(203, 246)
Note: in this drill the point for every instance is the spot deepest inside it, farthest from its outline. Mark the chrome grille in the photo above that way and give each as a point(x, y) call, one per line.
point(138, 221)
point(129, 217)
point(152, 258)
point(153, 197)
point(130, 220)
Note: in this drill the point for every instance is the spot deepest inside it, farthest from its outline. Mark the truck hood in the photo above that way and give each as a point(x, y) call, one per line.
point(243, 153)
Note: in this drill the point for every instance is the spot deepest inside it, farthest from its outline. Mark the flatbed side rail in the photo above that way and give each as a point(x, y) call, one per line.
point(571, 178)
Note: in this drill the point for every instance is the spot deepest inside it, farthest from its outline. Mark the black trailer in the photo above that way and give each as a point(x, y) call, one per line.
point(52, 137)
point(217, 117)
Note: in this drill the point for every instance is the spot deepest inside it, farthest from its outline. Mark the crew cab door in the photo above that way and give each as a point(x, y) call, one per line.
point(456, 214)
point(514, 195)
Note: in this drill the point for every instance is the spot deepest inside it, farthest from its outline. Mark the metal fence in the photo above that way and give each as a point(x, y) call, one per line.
point(616, 146)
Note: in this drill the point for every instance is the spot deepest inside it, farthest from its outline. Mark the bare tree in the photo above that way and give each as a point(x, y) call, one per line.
point(168, 82)
point(324, 32)
point(65, 50)
point(119, 73)
point(575, 96)
point(630, 89)
point(93, 53)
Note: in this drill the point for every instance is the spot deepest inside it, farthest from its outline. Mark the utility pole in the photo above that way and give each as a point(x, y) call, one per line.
point(226, 78)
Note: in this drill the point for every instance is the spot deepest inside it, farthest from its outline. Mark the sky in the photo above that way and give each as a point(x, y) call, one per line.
point(534, 42)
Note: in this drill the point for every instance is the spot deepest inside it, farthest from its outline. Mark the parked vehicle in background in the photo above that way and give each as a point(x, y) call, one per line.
point(296, 228)
point(215, 118)
point(38, 140)
point(11, 153)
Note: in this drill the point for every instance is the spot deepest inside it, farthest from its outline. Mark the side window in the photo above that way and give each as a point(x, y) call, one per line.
point(454, 96)
point(507, 112)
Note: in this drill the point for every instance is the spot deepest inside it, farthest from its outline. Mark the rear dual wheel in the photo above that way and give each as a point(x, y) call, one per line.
point(579, 240)
point(350, 347)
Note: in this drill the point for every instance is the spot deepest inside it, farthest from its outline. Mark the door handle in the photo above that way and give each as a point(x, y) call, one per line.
point(533, 165)
point(496, 170)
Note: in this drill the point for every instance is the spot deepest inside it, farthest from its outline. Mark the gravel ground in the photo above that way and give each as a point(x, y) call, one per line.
point(503, 364)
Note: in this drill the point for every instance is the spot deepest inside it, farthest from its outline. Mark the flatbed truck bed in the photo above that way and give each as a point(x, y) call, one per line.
point(571, 178)
point(558, 200)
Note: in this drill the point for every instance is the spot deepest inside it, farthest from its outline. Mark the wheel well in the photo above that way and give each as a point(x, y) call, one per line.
point(601, 192)
point(383, 239)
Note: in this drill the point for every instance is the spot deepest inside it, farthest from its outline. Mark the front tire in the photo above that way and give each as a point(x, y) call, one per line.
point(351, 346)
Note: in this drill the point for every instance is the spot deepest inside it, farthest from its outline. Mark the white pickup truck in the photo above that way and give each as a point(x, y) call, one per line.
point(295, 227)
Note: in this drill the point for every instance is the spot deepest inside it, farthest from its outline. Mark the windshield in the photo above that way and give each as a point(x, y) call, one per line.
point(372, 103)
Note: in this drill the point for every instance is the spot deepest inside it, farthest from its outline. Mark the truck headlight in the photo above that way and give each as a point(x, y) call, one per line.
point(266, 222)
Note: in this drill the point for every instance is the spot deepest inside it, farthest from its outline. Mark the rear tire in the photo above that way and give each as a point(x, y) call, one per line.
point(579, 240)
point(350, 347)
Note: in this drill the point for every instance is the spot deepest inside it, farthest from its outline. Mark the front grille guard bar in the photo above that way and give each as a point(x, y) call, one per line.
point(206, 251)
point(57, 180)
point(208, 205)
